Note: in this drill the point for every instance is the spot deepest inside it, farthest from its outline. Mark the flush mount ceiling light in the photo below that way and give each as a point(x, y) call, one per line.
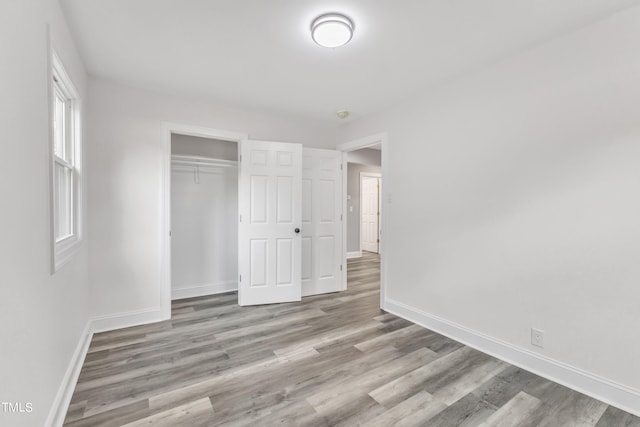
point(332, 30)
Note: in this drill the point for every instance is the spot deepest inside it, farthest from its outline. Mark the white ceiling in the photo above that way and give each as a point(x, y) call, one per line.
point(258, 54)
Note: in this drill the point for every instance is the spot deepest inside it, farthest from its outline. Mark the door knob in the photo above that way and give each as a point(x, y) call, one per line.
point(297, 230)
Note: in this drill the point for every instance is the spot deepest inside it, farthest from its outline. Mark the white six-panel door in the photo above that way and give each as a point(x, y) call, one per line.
point(269, 260)
point(321, 221)
point(370, 213)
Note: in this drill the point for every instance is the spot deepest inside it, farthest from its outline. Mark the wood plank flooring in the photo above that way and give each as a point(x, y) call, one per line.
point(332, 360)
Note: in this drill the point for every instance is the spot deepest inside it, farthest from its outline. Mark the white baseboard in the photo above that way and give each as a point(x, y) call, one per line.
point(58, 410)
point(354, 254)
point(610, 392)
point(201, 290)
point(127, 319)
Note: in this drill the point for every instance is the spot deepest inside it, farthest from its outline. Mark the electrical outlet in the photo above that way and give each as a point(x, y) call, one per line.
point(537, 337)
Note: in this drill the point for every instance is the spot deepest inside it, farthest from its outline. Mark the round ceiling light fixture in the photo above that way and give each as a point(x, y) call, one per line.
point(332, 30)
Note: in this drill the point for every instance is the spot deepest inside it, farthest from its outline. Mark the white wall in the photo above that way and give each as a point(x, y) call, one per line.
point(515, 201)
point(204, 147)
point(204, 220)
point(365, 156)
point(42, 315)
point(125, 172)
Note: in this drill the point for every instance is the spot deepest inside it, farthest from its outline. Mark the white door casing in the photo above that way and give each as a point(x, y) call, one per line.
point(322, 270)
point(269, 258)
point(370, 213)
point(380, 140)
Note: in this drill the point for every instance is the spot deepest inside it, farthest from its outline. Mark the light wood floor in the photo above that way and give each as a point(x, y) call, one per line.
point(330, 360)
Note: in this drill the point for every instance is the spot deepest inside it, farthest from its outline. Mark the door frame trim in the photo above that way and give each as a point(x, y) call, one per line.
point(379, 176)
point(368, 141)
point(168, 129)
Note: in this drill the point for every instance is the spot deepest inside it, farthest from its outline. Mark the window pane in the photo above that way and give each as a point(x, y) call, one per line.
point(59, 122)
point(63, 202)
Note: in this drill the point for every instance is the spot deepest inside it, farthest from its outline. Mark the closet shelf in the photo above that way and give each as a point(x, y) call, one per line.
point(201, 161)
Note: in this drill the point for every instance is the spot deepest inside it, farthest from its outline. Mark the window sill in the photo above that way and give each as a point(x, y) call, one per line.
point(64, 251)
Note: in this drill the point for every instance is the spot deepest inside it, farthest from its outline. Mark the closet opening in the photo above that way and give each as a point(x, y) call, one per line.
point(203, 216)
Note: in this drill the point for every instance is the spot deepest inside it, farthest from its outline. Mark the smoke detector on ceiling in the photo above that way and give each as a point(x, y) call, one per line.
point(342, 114)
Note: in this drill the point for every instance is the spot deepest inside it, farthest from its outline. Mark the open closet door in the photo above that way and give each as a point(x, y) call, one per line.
point(322, 268)
point(269, 244)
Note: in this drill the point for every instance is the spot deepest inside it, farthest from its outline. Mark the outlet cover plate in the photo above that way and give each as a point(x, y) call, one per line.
point(537, 337)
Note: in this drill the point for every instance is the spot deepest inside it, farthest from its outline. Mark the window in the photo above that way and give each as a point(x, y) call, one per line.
point(65, 166)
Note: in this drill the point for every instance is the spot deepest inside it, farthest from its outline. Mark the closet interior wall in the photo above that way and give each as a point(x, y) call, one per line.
point(204, 212)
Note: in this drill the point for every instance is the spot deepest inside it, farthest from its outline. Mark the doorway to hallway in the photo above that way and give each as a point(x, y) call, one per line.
point(365, 156)
point(370, 231)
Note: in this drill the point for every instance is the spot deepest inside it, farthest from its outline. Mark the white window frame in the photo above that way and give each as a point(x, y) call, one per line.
point(65, 247)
